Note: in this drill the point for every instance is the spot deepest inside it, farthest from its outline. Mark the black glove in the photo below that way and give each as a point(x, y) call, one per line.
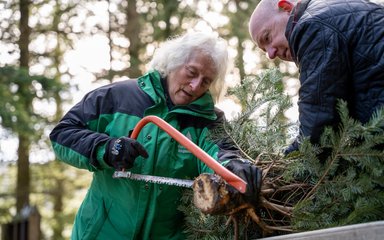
point(294, 146)
point(251, 175)
point(121, 153)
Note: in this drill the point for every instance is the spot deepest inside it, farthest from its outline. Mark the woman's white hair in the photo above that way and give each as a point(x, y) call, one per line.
point(176, 52)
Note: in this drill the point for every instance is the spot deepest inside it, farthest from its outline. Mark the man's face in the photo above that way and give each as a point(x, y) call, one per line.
point(268, 32)
point(190, 81)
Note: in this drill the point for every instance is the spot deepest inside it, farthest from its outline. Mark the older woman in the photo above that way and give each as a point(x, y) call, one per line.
point(186, 76)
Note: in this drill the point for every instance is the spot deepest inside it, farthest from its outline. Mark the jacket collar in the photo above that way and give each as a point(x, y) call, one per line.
point(296, 14)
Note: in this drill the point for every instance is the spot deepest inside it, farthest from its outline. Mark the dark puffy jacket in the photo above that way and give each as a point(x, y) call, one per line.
point(338, 46)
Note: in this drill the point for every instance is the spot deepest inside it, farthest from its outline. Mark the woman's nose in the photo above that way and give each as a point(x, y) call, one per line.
point(195, 83)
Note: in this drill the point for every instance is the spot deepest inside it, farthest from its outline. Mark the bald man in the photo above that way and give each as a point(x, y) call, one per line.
point(338, 46)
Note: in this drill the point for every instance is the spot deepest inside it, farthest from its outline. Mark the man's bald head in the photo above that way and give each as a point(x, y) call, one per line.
point(267, 29)
point(264, 10)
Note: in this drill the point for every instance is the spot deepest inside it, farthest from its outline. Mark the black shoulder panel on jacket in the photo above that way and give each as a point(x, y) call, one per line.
point(72, 131)
point(124, 97)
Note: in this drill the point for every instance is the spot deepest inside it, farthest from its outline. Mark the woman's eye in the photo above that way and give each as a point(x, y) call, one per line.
point(206, 83)
point(190, 71)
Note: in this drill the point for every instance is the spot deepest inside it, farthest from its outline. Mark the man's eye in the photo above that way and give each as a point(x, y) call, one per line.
point(266, 38)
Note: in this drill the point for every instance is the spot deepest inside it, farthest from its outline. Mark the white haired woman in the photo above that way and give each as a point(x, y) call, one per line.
point(187, 74)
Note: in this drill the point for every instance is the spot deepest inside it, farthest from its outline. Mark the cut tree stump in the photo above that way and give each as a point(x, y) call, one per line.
point(213, 195)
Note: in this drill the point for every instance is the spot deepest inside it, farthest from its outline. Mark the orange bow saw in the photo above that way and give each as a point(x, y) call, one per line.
point(227, 175)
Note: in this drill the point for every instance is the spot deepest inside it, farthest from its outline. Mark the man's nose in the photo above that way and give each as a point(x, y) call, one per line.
point(271, 52)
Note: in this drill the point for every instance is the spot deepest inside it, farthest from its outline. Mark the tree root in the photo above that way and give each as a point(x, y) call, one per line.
point(212, 195)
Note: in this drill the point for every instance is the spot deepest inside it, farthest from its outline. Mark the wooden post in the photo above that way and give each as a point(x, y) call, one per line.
point(34, 231)
point(26, 227)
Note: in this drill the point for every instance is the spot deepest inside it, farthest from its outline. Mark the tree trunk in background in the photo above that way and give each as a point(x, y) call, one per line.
point(25, 32)
point(240, 20)
point(170, 9)
point(23, 176)
point(58, 193)
point(58, 208)
point(240, 59)
point(132, 33)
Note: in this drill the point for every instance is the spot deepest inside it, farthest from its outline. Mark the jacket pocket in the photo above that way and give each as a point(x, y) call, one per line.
point(90, 217)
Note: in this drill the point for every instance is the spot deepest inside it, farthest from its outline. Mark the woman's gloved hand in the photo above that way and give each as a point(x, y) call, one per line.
point(120, 153)
point(251, 174)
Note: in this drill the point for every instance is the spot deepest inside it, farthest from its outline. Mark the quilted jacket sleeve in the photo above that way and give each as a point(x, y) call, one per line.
point(323, 63)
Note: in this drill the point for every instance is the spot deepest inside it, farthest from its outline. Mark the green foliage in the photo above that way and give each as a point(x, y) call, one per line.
point(21, 115)
point(348, 186)
point(7, 186)
point(258, 129)
point(18, 92)
point(54, 185)
point(55, 190)
point(339, 182)
point(201, 226)
point(261, 126)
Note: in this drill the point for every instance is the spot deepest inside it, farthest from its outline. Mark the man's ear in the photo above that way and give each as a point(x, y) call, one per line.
point(285, 5)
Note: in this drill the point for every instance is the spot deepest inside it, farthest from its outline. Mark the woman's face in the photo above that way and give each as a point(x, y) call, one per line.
point(190, 81)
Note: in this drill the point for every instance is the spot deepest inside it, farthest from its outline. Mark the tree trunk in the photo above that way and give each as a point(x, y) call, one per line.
point(212, 195)
point(25, 32)
point(59, 209)
point(133, 34)
point(23, 178)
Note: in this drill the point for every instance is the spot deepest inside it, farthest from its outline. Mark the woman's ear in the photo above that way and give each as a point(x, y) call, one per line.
point(285, 5)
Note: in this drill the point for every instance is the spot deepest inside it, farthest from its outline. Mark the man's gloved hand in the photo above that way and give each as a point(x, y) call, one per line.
point(120, 153)
point(251, 174)
point(294, 146)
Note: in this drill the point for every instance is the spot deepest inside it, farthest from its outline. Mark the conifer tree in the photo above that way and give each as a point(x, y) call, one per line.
point(337, 182)
point(348, 187)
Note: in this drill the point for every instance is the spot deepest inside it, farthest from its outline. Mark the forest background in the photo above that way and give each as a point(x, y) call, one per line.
point(54, 51)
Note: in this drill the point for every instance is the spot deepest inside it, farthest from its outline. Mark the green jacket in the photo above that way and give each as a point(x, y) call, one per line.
point(123, 208)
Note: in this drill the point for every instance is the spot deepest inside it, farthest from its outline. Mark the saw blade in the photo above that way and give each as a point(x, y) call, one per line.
point(154, 179)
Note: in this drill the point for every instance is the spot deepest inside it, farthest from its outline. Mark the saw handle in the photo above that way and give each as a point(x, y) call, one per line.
point(227, 175)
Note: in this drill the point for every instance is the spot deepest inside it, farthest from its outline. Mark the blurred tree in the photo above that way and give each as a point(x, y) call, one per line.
point(236, 31)
point(22, 96)
point(54, 181)
point(58, 187)
point(238, 12)
point(135, 28)
point(18, 91)
point(23, 178)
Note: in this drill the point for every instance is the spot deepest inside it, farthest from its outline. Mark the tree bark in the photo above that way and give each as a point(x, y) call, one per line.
point(23, 176)
point(133, 34)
